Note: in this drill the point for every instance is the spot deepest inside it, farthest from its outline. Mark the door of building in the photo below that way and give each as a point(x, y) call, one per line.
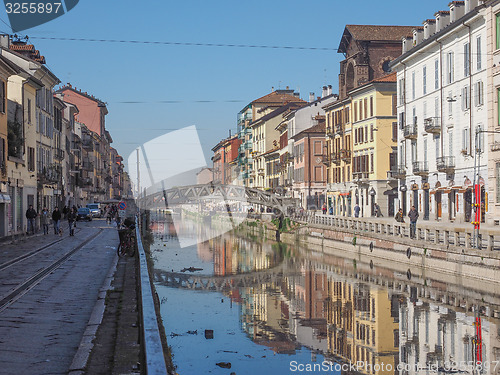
point(451, 205)
point(468, 205)
point(426, 204)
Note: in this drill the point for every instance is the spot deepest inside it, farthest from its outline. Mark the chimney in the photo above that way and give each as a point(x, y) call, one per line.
point(429, 28)
point(229, 133)
point(442, 19)
point(329, 92)
point(323, 93)
point(406, 43)
point(311, 97)
point(418, 34)
point(470, 5)
point(4, 41)
point(457, 9)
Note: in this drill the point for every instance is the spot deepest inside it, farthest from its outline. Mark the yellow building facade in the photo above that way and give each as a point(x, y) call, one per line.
point(374, 136)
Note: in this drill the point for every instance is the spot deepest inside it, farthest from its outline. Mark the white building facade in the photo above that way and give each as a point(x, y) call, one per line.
point(442, 105)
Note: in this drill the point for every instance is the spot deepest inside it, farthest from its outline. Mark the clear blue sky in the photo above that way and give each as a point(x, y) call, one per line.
point(228, 77)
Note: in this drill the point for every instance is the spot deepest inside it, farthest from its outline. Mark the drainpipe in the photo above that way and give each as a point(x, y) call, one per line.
point(470, 88)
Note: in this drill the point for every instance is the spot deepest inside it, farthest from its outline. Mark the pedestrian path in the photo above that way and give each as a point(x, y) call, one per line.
point(41, 330)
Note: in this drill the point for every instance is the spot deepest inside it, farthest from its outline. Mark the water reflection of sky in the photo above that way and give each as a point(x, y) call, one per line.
point(193, 354)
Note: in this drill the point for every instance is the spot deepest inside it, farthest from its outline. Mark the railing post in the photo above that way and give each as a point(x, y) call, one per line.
point(467, 240)
point(456, 238)
point(491, 242)
point(436, 236)
point(446, 238)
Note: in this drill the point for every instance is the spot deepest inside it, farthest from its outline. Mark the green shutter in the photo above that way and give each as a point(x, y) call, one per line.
point(498, 30)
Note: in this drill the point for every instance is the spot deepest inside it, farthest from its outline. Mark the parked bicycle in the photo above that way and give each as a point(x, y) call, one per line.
point(128, 242)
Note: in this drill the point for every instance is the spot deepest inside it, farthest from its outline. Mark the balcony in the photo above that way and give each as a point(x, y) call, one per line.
point(495, 146)
point(397, 172)
point(432, 125)
point(329, 132)
point(420, 168)
point(59, 154)
point(359, 176)
point(49, 174)
point(88, 145)
point(345, 155)
point(410, 131)
point(445, 164)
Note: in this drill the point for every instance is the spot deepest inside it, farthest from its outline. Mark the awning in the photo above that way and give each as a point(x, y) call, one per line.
point(345, 194)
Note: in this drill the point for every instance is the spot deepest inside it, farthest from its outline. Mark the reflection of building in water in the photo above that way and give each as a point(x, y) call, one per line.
point(264, 317)
point(435, 335)
point(348, 320)
point(232, 255)
point(362, 326)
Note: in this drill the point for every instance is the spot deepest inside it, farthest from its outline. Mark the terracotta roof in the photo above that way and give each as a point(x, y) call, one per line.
point(378, 32)
point(318, 128)
point(278, 97)
point(279, 111)
point(443, 12)
point(28, 50)
point(456, 3)
point(392, 77)
point(80, 92)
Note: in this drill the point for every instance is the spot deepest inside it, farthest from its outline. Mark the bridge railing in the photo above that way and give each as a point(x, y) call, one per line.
point(153, 350)
point(427, 232)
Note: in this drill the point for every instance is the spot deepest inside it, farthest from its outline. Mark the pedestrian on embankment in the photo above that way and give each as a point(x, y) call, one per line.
point(71, 222)
point(356, 210)
point(44, 220)
point(413, 216)
point(31, 215)
point(56, 218)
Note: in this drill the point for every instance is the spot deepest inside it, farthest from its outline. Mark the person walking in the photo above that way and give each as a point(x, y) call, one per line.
point(71, 222)
point(44, 220)
point(413, 216)
point(56, 219)
point(31, 215)
point(378, 211)
point(324, 208)
point(356, 210)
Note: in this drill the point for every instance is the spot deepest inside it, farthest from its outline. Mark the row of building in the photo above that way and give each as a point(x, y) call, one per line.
point(54, 146)
point(415, 122)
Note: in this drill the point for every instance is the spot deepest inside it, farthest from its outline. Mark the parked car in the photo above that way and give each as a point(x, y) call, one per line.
point(84, 213)
point(95, 210)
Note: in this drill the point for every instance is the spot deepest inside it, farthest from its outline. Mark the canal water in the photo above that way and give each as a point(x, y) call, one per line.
point(267, 308)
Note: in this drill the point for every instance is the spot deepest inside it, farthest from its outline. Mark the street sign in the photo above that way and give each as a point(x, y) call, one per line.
point(122, 205)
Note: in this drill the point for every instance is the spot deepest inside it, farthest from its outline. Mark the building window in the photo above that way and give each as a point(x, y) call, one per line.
point(436, 74)
point(465, 141)
point(450, 142)
point(29, 111)
point(424, 80)
point(498, 181)
point(394, 131)
point(31, 159)
point(371, 106)
point(413, 85)
point(371, 132)
point(360, 110)
point(478, 53)
point(372, 163)
point(425, 149)
point(366, 107)
point(466, 59)
point(450, 104)
point(450, 63)
point(355, 111)
point(478, 93)
point(437, 140)
point(401, 91)
point(366, 133)
point(2, 97)
point(498, 31)
point(465, 98)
